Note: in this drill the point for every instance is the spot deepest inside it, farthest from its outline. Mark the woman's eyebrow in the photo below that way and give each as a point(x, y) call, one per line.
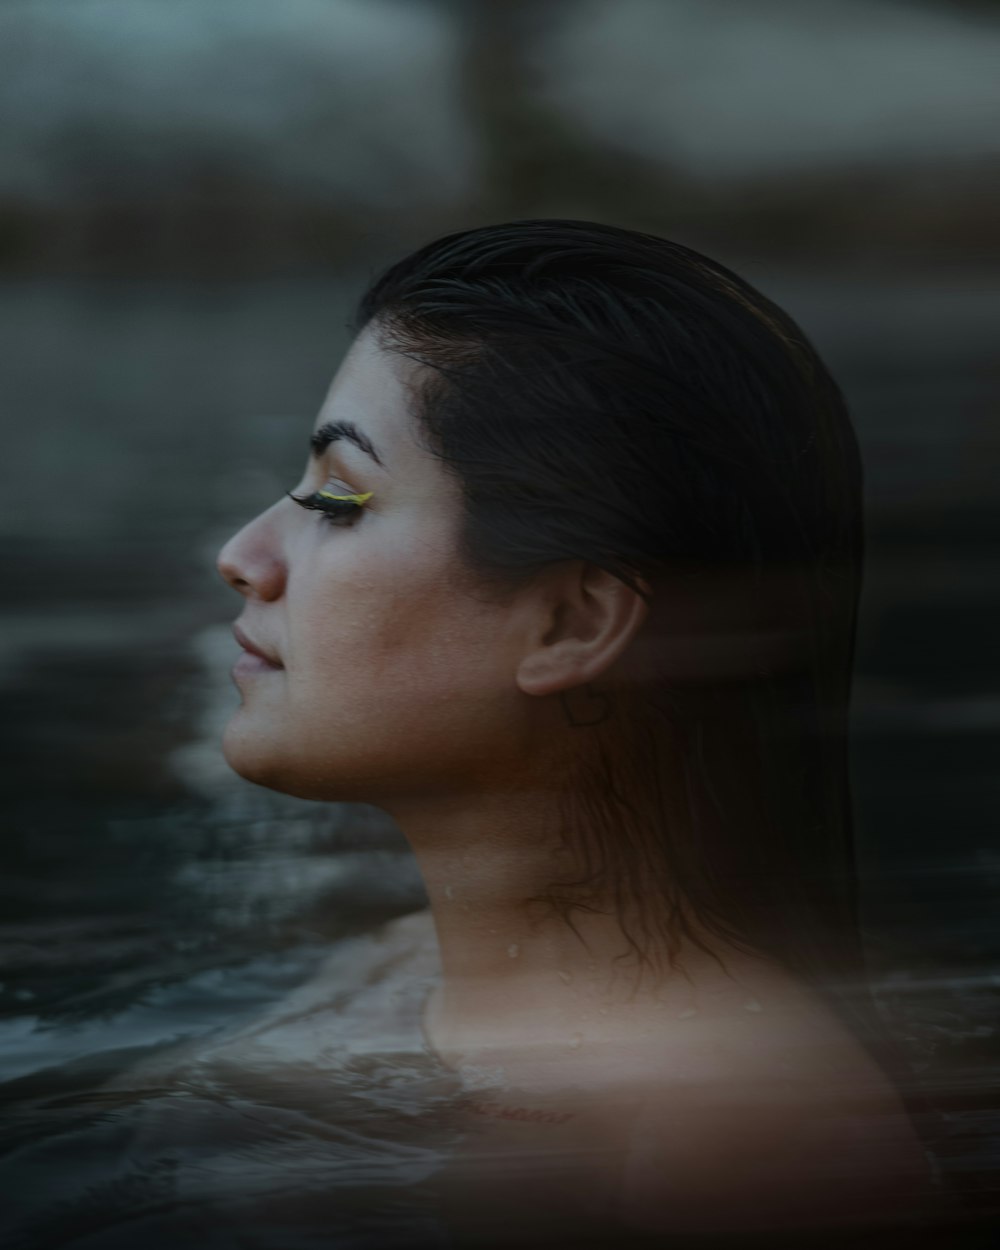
point(331, 431)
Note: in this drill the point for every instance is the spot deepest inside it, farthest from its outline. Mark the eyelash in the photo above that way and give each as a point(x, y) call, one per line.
point(336, 510)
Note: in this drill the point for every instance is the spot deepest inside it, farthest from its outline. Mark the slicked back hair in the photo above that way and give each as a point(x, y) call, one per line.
point(613, 397)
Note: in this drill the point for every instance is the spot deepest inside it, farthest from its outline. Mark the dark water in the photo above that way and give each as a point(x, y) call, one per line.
point(148, 896)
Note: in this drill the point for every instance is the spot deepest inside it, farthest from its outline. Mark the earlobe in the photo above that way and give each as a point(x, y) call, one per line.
point(585, 621)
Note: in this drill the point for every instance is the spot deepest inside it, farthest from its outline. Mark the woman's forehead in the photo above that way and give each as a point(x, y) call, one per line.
point(371, 391)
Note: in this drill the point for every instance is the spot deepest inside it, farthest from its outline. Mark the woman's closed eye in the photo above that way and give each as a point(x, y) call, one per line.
point(337, 505)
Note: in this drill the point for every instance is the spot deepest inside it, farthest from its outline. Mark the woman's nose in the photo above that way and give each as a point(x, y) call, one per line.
point(251, 561)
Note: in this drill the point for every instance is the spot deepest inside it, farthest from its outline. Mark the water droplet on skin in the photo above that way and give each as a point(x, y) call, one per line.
point(577, 1041)
point(512, 950)
point(565, 976)
point(687, 1013)
point(753, 1005)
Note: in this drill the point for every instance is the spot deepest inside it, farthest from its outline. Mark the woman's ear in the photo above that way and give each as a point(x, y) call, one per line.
point(583, 619)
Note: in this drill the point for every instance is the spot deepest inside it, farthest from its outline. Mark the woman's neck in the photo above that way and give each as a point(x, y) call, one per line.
point(515, 970)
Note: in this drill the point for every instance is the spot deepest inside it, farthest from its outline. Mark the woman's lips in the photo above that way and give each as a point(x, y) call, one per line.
point(254, 659)
point(248, 663)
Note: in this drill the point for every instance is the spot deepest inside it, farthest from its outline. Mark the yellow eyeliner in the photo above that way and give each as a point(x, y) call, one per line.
point(358, 499)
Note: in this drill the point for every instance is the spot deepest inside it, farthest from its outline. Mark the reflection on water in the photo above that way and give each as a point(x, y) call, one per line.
point(312, 1115)
point(152, 901)
point(294, 1102)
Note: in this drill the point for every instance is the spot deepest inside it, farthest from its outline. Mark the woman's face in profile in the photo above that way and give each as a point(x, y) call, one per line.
point(387, 675)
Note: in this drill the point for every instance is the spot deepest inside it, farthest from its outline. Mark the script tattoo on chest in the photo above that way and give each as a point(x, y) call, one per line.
point(530, 1115)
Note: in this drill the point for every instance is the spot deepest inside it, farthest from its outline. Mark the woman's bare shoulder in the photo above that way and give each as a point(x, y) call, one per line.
point(717, 1160)
point(728, 1126)
point(772, 1117)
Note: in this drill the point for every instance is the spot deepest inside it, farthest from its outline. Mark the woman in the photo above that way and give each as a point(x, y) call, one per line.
point(569, 589)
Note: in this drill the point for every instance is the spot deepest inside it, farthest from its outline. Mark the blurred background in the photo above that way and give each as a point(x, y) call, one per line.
point(193, 193)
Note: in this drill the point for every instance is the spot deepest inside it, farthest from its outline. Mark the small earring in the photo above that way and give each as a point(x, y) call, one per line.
point(598, 697)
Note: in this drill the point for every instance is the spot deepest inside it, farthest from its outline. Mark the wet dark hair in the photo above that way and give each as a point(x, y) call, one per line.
point(617, 398)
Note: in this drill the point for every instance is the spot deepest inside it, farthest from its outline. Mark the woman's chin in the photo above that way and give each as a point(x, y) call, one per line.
point(251, 757)
point(262, 761)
